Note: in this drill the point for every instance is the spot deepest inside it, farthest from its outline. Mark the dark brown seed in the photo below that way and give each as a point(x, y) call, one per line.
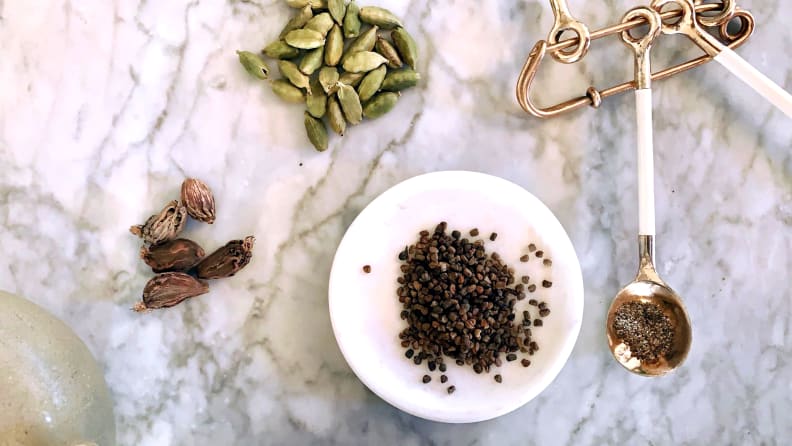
point(226, 261)
point(544, 312)
point(493, 236)
point(175, 255)
point(367, 269)
point(532, 302)
point(442, 367)
point(443, 379)
point(164, 226)
point(477, 368)
point(460, 362)
point(524, 258)
point(547, 262)
point(199, 200)
point(456, 234)
point(537, 323)
point(539, 253)
point(474, 232)
point(169, 289)
point(498, 379)
point(409, 353)
point(451, 389)
point(417, 360)
point(511, 357)
point(432, 366)
point(531, 247)
point(526, 315)
point(426, 379)
point(542, 305)
point(525, 362)
point(547, 283)
point(525, 279)
point(531, 288)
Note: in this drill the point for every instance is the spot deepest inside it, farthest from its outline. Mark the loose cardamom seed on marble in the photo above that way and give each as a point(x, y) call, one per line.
point(352, 20)
point(380, 104)
point(175, 255)
point(304, 39)
point(288, 92)
point(170, 289)
point(335, 116)
point(280, 50)
point(389, 52)
point(374, 15)
point(312, 61)
point(198, 199)
point(290, 71)
point(400, 80)
point(298, 21)
point(316, 103)
point(364, 42)
point(163, 226)
point(316, 131)
point(334, 48)
point(350, 103)
point(363, 62)
point(254, 64)
point(228, 260)
point(328, 78)
point(371, 83)
point(321, 23)
point(406, 46)
point(337, 9)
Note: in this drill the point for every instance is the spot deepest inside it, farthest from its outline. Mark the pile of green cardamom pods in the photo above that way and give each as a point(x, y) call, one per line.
point(333, 59)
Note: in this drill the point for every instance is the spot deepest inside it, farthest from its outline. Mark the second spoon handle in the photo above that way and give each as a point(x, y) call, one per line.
point(755, 79)
point(646, 204)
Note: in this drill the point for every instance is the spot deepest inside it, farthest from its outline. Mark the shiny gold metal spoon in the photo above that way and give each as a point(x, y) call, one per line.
point(648, 288)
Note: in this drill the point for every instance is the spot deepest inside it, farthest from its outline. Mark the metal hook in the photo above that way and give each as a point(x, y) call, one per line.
point(729, 8)
point(593, 96)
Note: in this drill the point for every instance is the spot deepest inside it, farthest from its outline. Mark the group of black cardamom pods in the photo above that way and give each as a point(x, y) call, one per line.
point(333, 59)
point(181, 265)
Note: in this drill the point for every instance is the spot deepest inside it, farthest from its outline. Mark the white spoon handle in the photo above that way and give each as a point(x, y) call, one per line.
point(646, 204)
point(756, 80)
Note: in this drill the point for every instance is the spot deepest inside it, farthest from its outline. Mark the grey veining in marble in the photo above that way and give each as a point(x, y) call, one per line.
point(107, 105)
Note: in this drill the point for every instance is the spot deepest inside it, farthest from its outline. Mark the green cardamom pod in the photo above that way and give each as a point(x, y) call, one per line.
point(350, 103)
point(317, 101)
point(305, 39)
point(380, 104)
point(337, 9)
point(352, 21)
point(253, 64)
point(318, 4)
point(363, 61)
point(280, 50)
point(288, 92)
point(364, 42)
point(328, 78)
point(334, 48)
point(351, 79)
point(400, 80)
point(290, 71)
point(312, 61)
point(315, 4)
point(317, 133)
point(320, 23)
point(374, 15)
point(389, 52)
point(371, 83)
point(297, 21)
point(335, 116)
point(406, 46)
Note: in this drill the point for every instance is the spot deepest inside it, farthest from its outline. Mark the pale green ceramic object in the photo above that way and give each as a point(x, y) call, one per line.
point(52, 391)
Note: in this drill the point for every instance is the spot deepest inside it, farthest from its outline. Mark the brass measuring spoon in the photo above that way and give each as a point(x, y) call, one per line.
point(647, 287)
point(565, 22)
point(738, 66)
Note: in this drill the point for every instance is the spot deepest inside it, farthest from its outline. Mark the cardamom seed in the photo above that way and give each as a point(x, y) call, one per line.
point(371, 83)
point(312, 61)
point(406, 46)
point(337, 9)
point(335, 116)
point(320, 23)
point(334, 48)
point(400, 80)
point(298, 21)
point(315, 4)
point(253, 64)
point(380, 104)
point(290, 71)
point(350, 103)
point(305, 39)
point(389, 52)
point(328, 78)
point(352, 20)
point(226, 261)
point(364, 42)
point(374, 15)
point(198, 199)
point(363, 61)
point(318, 4)
point(288, 92)
point(316, 131)
point(163, 226)
point(176, 255)
point(169, 289)
point(351, 79)
point(280, 50)
point(317, 101)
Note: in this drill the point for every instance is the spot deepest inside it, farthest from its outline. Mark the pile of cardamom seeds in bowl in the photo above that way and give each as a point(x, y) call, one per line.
point(333, 58)
point(181, 265)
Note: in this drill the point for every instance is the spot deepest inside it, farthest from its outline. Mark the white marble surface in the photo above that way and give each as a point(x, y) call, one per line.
point(106, 106)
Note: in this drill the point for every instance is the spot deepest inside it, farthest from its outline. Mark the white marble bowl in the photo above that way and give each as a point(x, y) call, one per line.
point(364, 308)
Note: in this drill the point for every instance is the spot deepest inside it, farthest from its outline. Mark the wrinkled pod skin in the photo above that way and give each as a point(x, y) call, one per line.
point(53, 391)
